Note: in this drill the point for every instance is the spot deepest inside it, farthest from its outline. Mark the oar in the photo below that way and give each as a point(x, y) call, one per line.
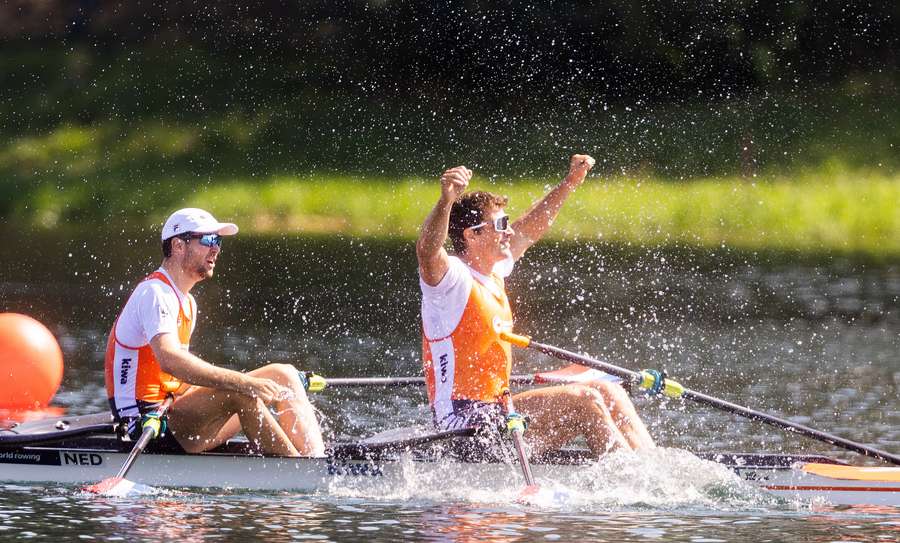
point(515, 424)
point(119, 485)
point(316, 383)
point(655, 383)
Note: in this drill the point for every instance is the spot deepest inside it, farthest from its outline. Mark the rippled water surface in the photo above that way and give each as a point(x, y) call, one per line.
point(42, 512)
point(815, 342)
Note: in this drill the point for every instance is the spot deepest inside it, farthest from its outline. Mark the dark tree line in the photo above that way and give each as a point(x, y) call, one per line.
point(653, 49)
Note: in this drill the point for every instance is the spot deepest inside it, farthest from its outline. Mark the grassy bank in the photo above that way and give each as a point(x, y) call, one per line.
point(847, 214)
point(830, 210)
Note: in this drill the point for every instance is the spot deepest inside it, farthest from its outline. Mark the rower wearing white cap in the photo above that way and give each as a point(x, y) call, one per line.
point(147, 357)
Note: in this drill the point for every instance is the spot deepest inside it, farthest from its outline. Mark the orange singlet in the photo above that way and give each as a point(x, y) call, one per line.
point(134, 378)
point(471, 363)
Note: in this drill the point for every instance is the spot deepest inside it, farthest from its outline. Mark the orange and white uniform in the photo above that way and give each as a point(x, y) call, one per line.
point(134, 379)
point(466, 365)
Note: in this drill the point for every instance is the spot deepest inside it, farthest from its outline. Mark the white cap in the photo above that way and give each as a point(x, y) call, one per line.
point(191, 219)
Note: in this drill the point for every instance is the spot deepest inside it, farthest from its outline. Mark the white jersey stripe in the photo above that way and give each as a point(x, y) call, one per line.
point(125, 365)
point(442, 353)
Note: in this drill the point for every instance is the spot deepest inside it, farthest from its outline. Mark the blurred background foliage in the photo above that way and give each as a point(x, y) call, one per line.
point(112, 109)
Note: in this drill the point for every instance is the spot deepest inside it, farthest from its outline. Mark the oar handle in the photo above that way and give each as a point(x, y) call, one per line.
point(516, 339)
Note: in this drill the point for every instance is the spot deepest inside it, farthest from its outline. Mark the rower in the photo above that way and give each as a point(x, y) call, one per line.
point(148, 350)
point(465, 307)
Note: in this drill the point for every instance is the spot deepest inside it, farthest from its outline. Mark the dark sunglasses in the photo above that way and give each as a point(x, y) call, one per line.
point(207, 240)
point(501, 224)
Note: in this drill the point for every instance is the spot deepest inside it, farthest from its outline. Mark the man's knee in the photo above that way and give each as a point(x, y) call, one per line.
point(193, 444)
point(286, 376)
point(582, 396)
point(244, 403)
point(605, 387)
point(283, 374)
point(582, 406)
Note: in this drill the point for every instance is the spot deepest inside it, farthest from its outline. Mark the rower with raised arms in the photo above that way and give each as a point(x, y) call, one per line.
point(465, 307)
point(147, 357)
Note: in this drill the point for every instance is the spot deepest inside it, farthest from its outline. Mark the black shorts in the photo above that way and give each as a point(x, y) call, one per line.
point(163, 443)
point(490, 443)
point(470, 414)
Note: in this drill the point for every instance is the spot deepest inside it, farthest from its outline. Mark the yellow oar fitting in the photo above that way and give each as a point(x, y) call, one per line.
point(655, 382)
point(516, 339)
point(152, 421)
point(648, 380)
point(317, 383)
point(171, 386)
point(515, 421)
point(673, 389)
point(311, 381)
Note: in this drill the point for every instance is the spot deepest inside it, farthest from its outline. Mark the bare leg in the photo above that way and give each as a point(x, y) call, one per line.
point(560, 414)
point(295, 415)
point(203, 418)
point(624, 414)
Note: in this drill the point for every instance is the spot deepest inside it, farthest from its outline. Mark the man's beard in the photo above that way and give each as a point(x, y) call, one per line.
point(203, 272)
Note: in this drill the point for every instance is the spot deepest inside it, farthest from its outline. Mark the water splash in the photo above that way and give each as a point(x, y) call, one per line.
point(660, 478)
point(666, 478)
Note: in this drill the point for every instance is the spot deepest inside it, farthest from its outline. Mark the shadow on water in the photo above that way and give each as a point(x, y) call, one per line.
point(812, 339)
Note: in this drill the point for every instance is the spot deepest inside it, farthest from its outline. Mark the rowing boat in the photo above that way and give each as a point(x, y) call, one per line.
point(85, 448)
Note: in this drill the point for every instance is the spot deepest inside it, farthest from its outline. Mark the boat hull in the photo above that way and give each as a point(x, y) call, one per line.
point(792, 480)
point(798, 483)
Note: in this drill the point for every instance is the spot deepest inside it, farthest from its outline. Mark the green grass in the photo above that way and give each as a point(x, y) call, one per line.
point(850, 213)
point(835, 208)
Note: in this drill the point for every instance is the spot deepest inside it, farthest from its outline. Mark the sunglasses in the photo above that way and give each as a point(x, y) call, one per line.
point(207, 240)
point(501, 224)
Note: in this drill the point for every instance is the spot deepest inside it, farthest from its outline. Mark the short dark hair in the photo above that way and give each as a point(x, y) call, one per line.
point(467, 211)
point(167, 243)
point(167, 247)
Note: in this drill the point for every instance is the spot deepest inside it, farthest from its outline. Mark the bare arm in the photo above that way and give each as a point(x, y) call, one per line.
point(430, 252)
point(191, 369)
point(534, 223)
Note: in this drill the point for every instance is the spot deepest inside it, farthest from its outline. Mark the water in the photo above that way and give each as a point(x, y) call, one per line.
point(814, 342)
point(42, 512)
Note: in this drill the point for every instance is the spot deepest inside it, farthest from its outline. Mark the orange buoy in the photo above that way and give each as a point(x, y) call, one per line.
point(31, 363)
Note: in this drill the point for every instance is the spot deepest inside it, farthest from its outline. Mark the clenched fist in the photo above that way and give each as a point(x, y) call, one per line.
point(454, 182)
point(579, 166)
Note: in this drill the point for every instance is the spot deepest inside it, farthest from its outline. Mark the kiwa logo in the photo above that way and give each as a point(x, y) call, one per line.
point(125, 369)
point(444, 363)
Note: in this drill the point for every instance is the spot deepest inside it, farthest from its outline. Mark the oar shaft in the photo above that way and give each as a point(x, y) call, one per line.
point(374, 381)
point(715, 402)
point(147, 434)
point(791, 426)
point(348, 382)
point(518, 442)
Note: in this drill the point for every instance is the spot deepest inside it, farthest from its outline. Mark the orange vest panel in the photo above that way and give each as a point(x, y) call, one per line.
point(482, 362)
point(132, 372)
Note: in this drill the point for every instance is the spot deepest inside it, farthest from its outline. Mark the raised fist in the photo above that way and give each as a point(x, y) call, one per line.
point(455, 181)
point(580, 165)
